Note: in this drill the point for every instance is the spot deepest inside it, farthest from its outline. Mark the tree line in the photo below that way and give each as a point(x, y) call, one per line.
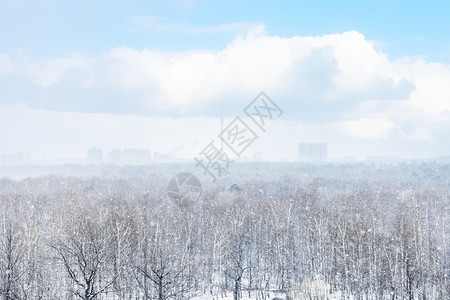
point(114, 238)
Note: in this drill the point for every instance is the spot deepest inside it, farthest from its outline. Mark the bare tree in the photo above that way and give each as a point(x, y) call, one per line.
point(237, 247)
point(11, 260)
point(164, 262)
point(85, 252)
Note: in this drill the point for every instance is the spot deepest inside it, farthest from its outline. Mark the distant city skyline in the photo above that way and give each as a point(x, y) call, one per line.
point(306, 153)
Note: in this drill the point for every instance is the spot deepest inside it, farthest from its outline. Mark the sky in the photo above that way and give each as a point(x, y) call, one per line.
point(369, 78)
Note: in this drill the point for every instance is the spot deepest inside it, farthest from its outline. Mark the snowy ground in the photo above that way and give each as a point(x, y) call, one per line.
point(253, 296)
point(245, 296)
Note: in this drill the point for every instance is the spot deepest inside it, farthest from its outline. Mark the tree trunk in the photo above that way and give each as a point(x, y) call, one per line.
point(160, 288)
point(237, 288)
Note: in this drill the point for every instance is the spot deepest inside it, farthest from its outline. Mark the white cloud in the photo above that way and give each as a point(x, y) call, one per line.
point(340, 69)
point(68, 134)
point(50, 72)
point(432, 93)
point(338, 79)
point(5, 64)
point(368, 128)
point(419, 134)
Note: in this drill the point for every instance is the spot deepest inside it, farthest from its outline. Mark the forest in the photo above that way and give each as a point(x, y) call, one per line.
point(355, 231)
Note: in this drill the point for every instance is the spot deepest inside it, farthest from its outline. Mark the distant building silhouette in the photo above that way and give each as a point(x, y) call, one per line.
point(16, 159)
point(312, 152)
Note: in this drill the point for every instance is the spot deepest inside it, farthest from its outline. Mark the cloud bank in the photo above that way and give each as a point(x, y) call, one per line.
point(340, 81)
point(305, 73)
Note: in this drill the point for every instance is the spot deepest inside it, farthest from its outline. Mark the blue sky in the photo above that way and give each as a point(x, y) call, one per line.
point(367, 77)
point(46, 28)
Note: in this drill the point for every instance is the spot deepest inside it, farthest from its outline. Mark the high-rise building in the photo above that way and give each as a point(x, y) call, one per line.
point(312, 152)
point(15, 159)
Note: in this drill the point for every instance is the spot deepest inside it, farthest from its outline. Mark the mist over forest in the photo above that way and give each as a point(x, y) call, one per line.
point(265, 230)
